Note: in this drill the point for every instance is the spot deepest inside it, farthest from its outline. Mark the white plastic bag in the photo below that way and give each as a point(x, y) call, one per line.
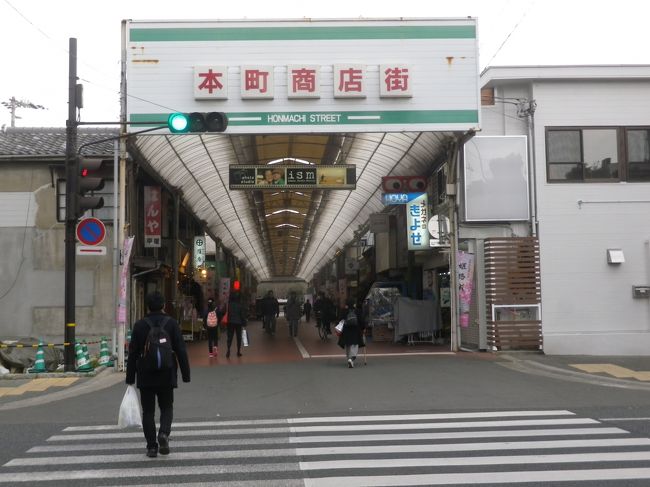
point(244, 337)
point(338, 329)
point(130, 414)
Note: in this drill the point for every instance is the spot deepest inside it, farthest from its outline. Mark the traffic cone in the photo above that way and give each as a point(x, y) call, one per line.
point(83, 364)
point(39, 363)
point(104, 355)
point(84, 348)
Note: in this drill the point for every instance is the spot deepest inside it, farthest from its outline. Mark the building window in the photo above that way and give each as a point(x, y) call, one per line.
point(638, 154)
point(598, 154)
point(105, 214)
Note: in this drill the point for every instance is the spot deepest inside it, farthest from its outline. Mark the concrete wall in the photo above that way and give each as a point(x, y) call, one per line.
point(32, 263)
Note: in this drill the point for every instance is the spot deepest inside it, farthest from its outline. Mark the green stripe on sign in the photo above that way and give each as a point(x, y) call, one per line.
point(197, 34)
point(406, 117)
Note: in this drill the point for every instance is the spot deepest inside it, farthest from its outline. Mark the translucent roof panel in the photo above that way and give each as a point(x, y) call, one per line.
point(198, 165)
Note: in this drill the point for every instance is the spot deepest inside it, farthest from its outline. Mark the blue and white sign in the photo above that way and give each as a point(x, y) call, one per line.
point(417, 218)
point(398, 198)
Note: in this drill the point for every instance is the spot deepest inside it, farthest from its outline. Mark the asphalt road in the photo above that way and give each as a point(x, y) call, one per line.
point(326, 389)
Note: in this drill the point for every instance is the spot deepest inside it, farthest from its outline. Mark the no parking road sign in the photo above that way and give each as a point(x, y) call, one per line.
point(91, 231)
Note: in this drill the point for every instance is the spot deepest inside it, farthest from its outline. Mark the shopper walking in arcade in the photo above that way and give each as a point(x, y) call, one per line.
point(307, 310)
point(270, 311)
point(292, 312)
point(351, 338)
point(237, 318)
point(211, 320)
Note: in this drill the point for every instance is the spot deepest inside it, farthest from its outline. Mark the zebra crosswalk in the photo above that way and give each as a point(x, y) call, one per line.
point(471, 448)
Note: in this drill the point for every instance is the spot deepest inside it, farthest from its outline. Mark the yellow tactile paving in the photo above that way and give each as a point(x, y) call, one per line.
point(614, 370)
point(37, 385)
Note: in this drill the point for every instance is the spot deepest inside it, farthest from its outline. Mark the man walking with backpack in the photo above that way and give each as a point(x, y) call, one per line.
point(156, 351)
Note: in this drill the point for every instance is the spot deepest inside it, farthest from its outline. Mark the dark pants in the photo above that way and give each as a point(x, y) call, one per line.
point(307, 315)
point(166, 405)
point(232, 330)
point(213, 338)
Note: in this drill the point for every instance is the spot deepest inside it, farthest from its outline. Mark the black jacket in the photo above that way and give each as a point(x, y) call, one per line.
point(147, 379)
point(270, 306)
point(353, 332)
point(236, 313)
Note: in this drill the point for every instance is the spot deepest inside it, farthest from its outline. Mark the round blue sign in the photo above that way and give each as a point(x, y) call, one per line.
point(91, 231)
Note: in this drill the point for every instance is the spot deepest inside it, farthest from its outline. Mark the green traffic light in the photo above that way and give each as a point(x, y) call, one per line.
point(178, 123)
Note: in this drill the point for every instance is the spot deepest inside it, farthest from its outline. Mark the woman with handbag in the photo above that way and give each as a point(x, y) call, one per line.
point(351, 338)
point(236, 320)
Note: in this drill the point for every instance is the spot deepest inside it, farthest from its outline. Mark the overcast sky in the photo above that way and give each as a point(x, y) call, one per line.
point(34, 37)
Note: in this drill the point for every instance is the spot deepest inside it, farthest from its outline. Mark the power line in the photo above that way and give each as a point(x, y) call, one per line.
point(530, 6)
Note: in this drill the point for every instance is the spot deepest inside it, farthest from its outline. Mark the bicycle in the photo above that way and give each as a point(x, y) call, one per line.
point(322, 330)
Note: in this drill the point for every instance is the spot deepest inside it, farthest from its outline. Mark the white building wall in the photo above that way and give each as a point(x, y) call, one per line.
point(587, 304)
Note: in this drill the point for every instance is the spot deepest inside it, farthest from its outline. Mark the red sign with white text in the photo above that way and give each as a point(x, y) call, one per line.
point(152, 216)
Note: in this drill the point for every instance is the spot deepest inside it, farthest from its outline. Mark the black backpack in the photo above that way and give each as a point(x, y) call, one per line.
point(158, 355)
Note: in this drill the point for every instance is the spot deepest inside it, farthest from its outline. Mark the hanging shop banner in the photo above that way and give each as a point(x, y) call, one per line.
point(341, 176)
point(465, 270)
point(417, 217)
point(152, 216)
point(124, 280)
point(199, 252)
point(363, 75)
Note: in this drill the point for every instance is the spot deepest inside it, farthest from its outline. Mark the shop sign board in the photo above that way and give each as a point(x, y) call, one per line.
point(199, 252)
point(327, 76)
point(416, 223)
point(152, 216)
point(398, 198)
point(340, 176)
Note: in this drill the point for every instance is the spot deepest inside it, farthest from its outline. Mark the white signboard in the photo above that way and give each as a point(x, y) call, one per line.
point(417, 219)
point(496, 179)
point(199, 252)
point(307, 76)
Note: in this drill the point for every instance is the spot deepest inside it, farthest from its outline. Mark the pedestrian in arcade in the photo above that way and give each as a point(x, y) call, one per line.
point(236, 320)
point(156, 331)
point(327, 312)
point(211, 319)
point(307, 310)
point(270, 311)
point(351, 338)
point(292, 312)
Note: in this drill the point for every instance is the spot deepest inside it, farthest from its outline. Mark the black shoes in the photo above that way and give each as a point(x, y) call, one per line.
point(163, 444)
point(239, 354)
point(228, 354)
point(152, 452)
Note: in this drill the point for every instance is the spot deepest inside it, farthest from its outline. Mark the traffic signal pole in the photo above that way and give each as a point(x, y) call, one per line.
point(70, 211)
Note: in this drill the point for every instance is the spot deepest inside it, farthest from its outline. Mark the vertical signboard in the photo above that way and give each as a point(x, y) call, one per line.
point(152, 216)
point(199, 252)
point(465, 270)
point(416, 223)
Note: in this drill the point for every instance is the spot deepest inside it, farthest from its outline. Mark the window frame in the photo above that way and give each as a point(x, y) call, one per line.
point(105, 214)
point(621, 153)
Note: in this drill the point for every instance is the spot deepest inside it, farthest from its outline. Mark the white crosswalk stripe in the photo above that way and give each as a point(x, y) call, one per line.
point(478, 448)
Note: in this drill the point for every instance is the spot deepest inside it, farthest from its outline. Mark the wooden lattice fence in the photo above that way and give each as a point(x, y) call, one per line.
point(512, 283)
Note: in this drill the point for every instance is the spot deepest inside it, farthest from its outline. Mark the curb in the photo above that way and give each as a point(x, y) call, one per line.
point(52, 375)
point(537, 368)
point(101, 380)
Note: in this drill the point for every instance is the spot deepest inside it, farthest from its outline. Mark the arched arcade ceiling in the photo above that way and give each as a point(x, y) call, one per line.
point(254, 225)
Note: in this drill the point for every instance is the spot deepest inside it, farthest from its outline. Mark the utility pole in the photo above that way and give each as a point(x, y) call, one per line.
point(13, 103)
point(70, 211)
